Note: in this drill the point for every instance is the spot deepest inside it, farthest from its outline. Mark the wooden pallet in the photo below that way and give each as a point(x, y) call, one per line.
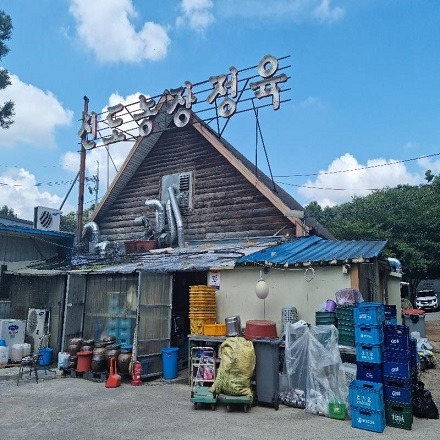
point(10, 365)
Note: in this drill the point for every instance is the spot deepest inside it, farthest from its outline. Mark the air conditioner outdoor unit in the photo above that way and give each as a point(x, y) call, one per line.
point(37, 326)
point(47, 219)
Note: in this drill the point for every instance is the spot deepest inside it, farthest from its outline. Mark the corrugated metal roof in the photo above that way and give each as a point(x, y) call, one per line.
point(199, 257)
point(313, 250)
point(33, 231)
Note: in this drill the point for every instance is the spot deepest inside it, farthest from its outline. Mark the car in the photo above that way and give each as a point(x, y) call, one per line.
point(426, 300)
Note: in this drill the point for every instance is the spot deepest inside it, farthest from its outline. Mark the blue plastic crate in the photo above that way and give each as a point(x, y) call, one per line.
point(397, 390)
point(396, 337)
point(397, 363)
point(124, 333)
point(369, 334)
point(368, 419)
point(369, 353)
point(369, 313)
point(368, 395)
point(391, 321)
point(369, 372)
point(125, 322)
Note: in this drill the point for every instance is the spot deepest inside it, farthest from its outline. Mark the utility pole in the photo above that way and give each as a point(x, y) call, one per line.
point(82, 175)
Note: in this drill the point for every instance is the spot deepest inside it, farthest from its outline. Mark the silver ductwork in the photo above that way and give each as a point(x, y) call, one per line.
point(171, 222)
point(104, 247)
point(178, 217)
point(160, 215)
point(146, 224)
point(94, 231)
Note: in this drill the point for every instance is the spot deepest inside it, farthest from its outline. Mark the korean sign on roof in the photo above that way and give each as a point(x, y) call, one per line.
point(229, 93)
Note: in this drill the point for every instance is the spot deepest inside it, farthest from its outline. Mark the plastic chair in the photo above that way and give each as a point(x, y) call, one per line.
point(31, 362)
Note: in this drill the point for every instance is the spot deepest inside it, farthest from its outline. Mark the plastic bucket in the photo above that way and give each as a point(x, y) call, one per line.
point(330, 306)
point(46, 356)
point(2, 343)
point(169, 360)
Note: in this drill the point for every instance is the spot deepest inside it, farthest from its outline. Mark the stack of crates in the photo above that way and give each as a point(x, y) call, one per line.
point(345, 319)
point(119, 325)
point(368, 412)
point(325, 318)
point(400, 369)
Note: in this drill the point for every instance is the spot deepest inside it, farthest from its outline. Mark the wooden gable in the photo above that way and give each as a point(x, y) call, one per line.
point(227, 202)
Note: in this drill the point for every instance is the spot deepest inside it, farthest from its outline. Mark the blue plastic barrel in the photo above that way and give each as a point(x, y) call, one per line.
point(46, 356)
point(169, 360)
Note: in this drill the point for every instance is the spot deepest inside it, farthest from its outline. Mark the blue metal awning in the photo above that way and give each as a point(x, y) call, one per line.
point(315, 250)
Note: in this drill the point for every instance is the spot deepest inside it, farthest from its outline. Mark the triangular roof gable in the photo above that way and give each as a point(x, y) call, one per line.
point(142, 147)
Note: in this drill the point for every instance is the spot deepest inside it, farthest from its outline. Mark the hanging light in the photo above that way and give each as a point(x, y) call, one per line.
point(261, 288)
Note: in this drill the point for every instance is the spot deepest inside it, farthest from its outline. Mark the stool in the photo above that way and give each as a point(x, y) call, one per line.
point(31, 362)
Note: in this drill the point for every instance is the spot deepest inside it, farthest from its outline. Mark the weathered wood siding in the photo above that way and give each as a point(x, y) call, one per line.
point(225, 204)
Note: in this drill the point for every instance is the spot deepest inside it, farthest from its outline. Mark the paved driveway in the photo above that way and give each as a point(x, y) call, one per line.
point(73, 409)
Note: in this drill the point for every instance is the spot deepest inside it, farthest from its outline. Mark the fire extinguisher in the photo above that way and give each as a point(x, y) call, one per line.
point(137, 373)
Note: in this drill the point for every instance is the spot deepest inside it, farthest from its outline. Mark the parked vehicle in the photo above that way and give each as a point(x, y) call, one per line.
point(427, 300)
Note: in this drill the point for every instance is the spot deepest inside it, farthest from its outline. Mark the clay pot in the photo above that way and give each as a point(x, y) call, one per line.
point(73, 349)
point(87, 345)
point(73, 359)
point(99, 362)
point(124, 361)
point(75, 341)
point(113, 351)
point(109, 340)
point(101, 344)
point(102, 351)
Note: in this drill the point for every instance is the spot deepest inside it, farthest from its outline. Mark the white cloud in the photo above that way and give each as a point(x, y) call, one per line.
point(428, 164)
point(332, 187)
point(118, 151)
point(196, 14)
point(324, 13)
point(18, 191)
point(37, 114)
point(295, 11)
point(105, 28)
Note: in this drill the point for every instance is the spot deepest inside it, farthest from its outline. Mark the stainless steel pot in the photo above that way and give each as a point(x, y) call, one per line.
point(233, 326)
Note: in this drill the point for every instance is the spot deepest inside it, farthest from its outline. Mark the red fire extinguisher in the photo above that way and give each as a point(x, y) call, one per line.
point(137, 373)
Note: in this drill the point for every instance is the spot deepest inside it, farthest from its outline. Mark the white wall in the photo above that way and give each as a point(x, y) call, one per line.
point(394, 280)
point(286, 288)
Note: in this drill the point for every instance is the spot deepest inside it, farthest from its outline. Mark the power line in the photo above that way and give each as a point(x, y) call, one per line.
point(362, 168)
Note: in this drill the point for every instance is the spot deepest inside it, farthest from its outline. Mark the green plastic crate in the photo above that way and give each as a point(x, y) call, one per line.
point(325, 318)
point(399, 415)
point(347, 340)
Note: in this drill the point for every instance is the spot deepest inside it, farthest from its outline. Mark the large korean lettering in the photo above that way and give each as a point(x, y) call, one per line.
point(149, 109)
point(89, 126)
point(221, 86)
point(183, 114)
point(267, 67)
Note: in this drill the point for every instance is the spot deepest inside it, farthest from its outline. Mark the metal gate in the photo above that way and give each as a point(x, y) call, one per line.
point(74, 308)
point(154, 320)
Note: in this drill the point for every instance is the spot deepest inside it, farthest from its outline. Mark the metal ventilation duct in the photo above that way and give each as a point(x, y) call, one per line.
point(176, 212)
point(160, 215)
point(94, 231)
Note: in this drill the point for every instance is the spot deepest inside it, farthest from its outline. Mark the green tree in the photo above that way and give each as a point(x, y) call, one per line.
point(408, 217)
point(7, 109)
point(5, 210)
point(68, 222)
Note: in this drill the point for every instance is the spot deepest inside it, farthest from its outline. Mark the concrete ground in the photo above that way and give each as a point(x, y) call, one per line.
point(69, 408)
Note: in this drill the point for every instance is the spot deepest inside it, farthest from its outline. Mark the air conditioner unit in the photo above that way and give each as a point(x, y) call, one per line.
point(37, 326)
point(183, 181)
point(47, 219)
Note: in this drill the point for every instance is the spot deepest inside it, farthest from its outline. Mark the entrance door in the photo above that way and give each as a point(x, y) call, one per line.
point(74, 308)
point(154, 320)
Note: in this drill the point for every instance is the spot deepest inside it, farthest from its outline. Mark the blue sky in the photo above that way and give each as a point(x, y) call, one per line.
point(364, 87)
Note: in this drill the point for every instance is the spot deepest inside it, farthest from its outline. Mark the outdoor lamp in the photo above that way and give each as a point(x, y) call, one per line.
point(262, 289)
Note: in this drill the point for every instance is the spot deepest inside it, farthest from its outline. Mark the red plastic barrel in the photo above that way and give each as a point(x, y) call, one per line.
point(84, 361)
point(260, 329)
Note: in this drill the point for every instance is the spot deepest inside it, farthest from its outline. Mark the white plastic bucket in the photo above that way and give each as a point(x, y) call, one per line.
point(26, 349)
point(17, 353)
point(4, 354)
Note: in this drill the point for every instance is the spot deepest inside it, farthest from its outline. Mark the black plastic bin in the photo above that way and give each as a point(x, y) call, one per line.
point(267, 352)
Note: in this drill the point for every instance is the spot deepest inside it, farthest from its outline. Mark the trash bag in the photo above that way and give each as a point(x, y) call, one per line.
point(348, 297)
point(423, 405)
point(326, 381)
point(296, 356)
point(237, 366)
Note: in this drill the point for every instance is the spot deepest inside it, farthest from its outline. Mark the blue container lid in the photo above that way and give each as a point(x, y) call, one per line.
point(3, 343)
point(126, 347)
point(169, 350)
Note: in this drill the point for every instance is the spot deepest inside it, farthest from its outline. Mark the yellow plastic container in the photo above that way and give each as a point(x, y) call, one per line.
point(214, 329)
